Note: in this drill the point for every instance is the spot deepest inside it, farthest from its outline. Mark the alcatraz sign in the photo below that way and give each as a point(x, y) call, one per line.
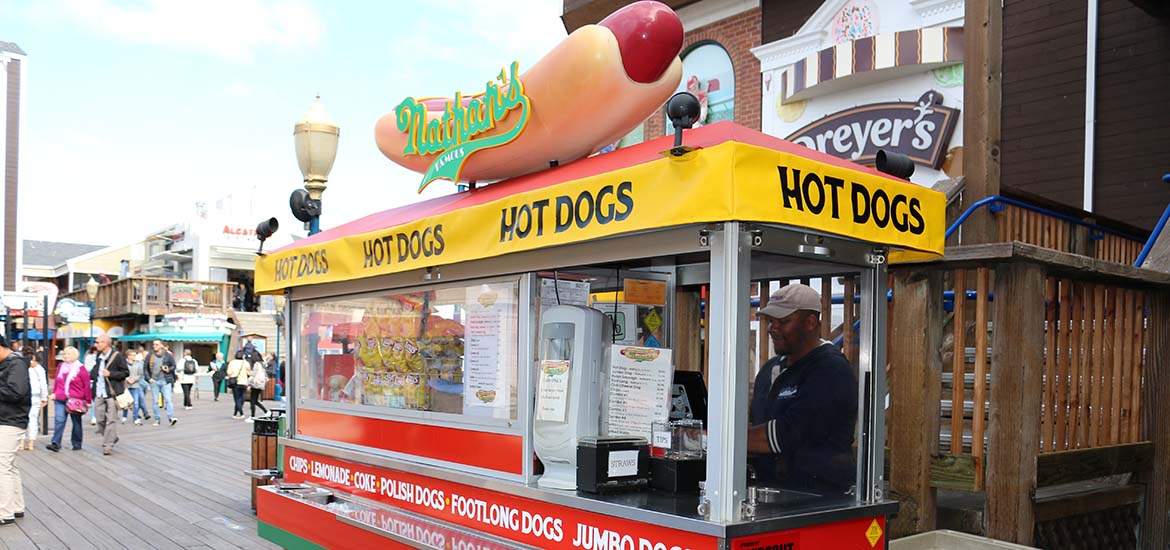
point(920, 129)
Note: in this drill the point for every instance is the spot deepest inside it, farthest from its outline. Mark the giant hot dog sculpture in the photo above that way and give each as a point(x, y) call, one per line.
point(593, 88)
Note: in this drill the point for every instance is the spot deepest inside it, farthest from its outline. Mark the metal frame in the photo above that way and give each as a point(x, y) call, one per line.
point(726, 484)
point(871, 427)
point(729, 272)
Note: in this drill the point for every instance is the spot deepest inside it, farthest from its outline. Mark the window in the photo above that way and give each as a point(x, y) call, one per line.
point(449, 349)
point(710, 76)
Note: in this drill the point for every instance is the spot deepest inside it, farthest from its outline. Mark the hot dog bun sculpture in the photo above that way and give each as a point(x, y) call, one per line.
point(596, 86)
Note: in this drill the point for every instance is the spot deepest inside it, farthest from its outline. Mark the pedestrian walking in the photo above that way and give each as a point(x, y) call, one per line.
point(14, 405)
point(39, 391)
point(109, 380)
point(187, 377)
point(90, 359)
point(218, 371)
point(159, 367)
point(71, 398)
point(256, 384)
point(136, 382)
point(238, 375)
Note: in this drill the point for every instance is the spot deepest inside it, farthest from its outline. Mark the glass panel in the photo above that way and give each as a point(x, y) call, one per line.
point(449, 349)
point(805, 402)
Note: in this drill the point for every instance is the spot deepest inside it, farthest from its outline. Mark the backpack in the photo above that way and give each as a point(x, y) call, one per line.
point(259, 378)
point(189, 366)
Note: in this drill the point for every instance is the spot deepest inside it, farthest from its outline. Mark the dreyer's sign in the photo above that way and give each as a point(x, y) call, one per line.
point(921, 130)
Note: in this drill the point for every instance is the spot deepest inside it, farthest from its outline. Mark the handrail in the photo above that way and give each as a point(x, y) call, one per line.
point(1002, 199)
point(1155, 233)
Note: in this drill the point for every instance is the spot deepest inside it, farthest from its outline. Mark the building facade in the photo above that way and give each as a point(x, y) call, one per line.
point(13, 89)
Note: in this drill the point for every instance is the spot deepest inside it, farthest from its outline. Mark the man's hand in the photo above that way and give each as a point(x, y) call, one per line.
point(106, 373)
point(758, 439)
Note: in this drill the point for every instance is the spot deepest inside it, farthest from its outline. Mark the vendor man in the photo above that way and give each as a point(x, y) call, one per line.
point(804, 405)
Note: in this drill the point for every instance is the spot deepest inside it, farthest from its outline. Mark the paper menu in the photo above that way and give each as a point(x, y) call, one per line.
point(552, 396)
point(489, 349)
point(637, 391)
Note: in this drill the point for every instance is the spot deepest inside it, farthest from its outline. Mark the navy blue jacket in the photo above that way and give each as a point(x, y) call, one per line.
point(811, 414)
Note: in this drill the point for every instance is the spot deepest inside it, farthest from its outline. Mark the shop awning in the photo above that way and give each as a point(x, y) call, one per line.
point(174, 337)
point(34, 334)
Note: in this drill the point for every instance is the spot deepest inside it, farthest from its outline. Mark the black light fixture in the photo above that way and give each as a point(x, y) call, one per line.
point(683, 111)
point(264, 230)
point(894, 164)
point(304, 208)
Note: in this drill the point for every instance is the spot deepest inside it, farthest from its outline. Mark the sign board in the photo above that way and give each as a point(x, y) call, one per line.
point(919, 129)
point(72, 310)
point(185, 293)
point(454, 136)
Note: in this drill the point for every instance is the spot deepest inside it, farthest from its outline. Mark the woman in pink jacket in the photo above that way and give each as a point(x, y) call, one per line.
point(71, 383)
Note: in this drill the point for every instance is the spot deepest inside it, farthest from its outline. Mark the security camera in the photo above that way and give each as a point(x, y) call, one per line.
point(895, 164)
point(683, 111)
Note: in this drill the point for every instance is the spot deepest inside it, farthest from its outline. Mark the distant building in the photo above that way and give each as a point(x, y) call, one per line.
point(12, 89)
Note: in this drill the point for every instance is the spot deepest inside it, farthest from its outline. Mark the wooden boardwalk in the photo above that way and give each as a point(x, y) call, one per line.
point(164, 487)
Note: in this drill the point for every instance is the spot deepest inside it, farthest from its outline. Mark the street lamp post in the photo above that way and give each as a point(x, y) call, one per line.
point(315, 137)
point(91, 290)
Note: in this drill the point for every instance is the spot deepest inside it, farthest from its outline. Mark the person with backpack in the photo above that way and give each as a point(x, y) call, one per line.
point(256, 385)
point(189, 367)
point(218, 371)
point(238, 375)
point(160, 373)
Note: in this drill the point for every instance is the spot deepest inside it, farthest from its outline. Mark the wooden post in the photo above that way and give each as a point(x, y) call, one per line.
point(981, 114)
point(1155, 411)
point(688, 353)
point(1017, 364)
point(915, 391)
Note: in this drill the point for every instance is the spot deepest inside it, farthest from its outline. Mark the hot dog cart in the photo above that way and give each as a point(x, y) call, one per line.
point(444, 357)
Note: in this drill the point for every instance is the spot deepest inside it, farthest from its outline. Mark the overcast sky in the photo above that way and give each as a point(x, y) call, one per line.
point(135, 110)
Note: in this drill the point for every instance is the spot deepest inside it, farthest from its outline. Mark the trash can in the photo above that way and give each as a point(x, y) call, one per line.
point(952, 540)
point(264, 457)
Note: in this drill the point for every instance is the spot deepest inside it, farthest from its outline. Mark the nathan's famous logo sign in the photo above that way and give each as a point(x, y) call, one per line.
point(920, 130)
point(454, 135)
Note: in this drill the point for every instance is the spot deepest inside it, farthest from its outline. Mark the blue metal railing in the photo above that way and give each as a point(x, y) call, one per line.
point(1155, 233)
point(996, 203)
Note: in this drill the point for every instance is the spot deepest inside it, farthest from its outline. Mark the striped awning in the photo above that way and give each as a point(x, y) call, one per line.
point(932, 47)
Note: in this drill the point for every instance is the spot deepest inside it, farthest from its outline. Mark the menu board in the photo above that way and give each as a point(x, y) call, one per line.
point(571, 293)
point(637, 391)
point(488, 339)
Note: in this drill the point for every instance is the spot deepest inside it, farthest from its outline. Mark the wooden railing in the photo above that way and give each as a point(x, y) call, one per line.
point(155, 296)
point(1041, 229)
point(1054, 375)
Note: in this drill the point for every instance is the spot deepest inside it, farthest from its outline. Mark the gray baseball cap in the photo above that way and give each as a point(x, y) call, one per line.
point(790, 299)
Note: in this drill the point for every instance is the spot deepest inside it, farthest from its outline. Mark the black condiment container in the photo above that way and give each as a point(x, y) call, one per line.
point(612, 464)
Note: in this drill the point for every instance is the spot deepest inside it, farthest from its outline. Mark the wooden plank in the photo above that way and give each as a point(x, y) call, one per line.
point(763, 347)
point(1125, 345)
point(1076, 372)
point(915, 392)
point(1107, 367)
point(982, 113)
point(1086, 367)
point(1098, 334)
point(1058, 263)
point(1083, 464)
point(688, 349)
point(1017, 367)
point(958, 361)
point(954, 472)
point(1139, 332)
point(1062, 377)
point(1086, 502)
point(1156, 422)
point(1048, 412)
point(827, 307)
point(980, 393)
point(1118, 375)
